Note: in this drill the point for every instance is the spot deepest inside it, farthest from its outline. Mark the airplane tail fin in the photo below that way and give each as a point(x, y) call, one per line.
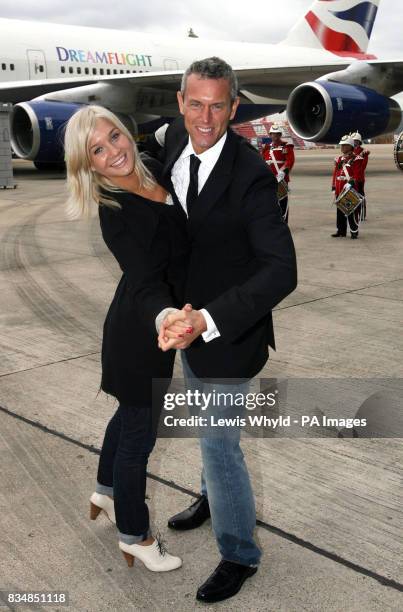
point(342, 27)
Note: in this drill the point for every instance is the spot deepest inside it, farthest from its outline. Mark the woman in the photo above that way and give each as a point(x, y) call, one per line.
point(104, 167)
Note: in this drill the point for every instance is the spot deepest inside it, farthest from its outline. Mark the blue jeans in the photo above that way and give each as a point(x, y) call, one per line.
point(129, 439)
point(225, 479)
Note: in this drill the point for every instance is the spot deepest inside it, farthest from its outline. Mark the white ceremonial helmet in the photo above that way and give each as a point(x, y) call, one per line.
point(275, 129)
point(347, 140)
point(356, 136)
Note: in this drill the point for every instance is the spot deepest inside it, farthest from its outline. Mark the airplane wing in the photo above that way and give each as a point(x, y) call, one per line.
point(255, 83)
point(393, 71)
point(386, 77)
point(21, 91)
point(156, 91)
point(383, 76)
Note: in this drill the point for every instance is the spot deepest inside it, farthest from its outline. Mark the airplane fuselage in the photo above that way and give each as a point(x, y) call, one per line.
point(51, 51)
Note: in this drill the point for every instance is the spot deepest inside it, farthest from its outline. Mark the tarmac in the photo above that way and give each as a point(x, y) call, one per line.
point(329, 505)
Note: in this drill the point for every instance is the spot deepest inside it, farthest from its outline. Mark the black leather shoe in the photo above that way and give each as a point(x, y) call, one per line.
point(192, 517)
point(226, 580)
point(354, 236)
point(338, 235)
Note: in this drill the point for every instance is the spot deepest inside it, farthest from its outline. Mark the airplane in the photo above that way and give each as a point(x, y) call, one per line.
point(321, 74)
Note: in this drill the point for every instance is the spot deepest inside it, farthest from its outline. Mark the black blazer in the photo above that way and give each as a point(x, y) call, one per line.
point(150, 247)
point(242, 260)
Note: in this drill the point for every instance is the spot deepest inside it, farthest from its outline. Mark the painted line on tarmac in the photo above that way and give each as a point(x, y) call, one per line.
point(346, 292)
point(388, 582)
point(48, 363)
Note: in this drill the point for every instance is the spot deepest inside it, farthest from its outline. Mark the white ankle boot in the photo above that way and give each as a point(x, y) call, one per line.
point(100, 502)
point(154, 556)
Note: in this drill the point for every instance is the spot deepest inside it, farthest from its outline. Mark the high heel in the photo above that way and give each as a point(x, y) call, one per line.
point(94, 511)
point(129, 558)
point(99, 503)
point(155, 556)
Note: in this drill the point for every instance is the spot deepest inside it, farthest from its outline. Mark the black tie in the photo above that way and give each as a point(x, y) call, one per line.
point(193, 191)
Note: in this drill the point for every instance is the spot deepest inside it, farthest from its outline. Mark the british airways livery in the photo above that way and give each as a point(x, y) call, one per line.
point(325, 28)
point(321, 73)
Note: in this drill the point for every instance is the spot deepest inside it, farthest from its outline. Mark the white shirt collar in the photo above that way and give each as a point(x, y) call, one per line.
point(210, 156)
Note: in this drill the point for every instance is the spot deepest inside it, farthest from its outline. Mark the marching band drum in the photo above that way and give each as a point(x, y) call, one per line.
point(348, 200)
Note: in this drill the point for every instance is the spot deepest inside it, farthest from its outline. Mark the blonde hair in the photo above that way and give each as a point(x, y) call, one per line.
point(84, 184)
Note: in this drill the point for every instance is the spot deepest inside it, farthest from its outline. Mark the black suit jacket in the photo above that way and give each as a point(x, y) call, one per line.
point(242, 259)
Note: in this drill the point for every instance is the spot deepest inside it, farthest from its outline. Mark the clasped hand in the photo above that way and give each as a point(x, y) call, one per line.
point(179, 329)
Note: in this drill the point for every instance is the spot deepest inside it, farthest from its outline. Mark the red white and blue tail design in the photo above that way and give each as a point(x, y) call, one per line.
point(342, 27)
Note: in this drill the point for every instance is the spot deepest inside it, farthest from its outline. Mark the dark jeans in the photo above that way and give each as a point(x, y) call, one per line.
point(129, 439)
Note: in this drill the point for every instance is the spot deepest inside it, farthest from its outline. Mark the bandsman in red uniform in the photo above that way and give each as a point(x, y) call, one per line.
point(363, 155)
point(347, 169)
point(279, 156)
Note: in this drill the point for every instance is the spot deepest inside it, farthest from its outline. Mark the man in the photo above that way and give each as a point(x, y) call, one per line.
point(279, 155)
point(362, 154)
point(241, 264)
point(347, 169)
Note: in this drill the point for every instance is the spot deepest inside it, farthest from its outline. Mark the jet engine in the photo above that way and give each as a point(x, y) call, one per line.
point(323, 111)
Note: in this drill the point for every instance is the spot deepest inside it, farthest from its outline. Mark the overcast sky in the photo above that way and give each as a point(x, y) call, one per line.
point(252, 21)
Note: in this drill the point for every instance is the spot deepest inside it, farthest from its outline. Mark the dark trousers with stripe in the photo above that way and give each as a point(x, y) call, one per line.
point(284, 208)
point(352, 220)
point(360, 188)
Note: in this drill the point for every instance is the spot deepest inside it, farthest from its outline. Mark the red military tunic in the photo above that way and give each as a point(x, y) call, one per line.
point(283, 153)
point(346, 168)
point(362, 155)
